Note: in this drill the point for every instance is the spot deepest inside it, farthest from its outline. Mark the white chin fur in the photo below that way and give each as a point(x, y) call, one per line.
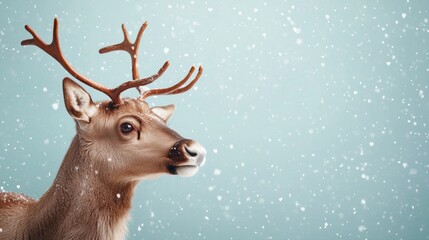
point(186, 171)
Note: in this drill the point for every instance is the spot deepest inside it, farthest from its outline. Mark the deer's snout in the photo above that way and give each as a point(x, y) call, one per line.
point(186, 157)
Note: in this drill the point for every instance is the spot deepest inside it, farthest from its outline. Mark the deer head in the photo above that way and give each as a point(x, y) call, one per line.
point(125, 138)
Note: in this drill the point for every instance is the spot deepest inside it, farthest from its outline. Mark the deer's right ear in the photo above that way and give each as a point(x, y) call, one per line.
point(78, 101)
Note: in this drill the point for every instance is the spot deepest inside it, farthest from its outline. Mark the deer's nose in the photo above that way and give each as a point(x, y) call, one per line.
point(187, 152)
point(195, 152)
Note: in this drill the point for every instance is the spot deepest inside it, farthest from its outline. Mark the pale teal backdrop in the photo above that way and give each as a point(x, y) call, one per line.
point(314, 113)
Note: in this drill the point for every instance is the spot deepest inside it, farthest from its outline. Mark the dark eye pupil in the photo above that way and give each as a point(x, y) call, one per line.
point(126, 127)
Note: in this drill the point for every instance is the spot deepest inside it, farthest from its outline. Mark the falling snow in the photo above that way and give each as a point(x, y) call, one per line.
point(315, 115)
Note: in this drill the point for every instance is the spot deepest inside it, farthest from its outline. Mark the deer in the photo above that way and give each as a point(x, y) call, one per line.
point(119, 142)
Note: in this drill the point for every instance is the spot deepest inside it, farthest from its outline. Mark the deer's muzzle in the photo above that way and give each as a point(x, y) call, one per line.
point(186, 157)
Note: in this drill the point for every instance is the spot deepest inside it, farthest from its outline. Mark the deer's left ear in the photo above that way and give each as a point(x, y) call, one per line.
point(164, 112)
point(78, 101)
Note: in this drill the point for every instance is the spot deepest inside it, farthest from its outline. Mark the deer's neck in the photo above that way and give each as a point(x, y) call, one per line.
point(79, 204)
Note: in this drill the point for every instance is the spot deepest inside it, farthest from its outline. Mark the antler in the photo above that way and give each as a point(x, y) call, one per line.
point(175, 89)
point(132, 49)
point(54, 50)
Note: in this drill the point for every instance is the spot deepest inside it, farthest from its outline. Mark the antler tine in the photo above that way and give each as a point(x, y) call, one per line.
point(175, 89)
point(54, 50)
point(127, 46)
point(191, 84)
point(169, 89)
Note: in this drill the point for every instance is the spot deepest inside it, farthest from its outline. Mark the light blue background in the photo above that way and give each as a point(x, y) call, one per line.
point(314, 113)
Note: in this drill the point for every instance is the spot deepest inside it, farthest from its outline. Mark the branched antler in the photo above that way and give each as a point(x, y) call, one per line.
point(131, 48)
point(54, 50)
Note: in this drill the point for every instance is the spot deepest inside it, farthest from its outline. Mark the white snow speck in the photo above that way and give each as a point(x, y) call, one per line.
point(118, 195)
point(166, 50)
point(361, 228)
point(364, 176)
point(55, 105)
point(296, 30)
point(217, 172)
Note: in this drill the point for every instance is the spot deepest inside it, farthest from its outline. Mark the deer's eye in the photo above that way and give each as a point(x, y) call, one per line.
point(126, 127)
